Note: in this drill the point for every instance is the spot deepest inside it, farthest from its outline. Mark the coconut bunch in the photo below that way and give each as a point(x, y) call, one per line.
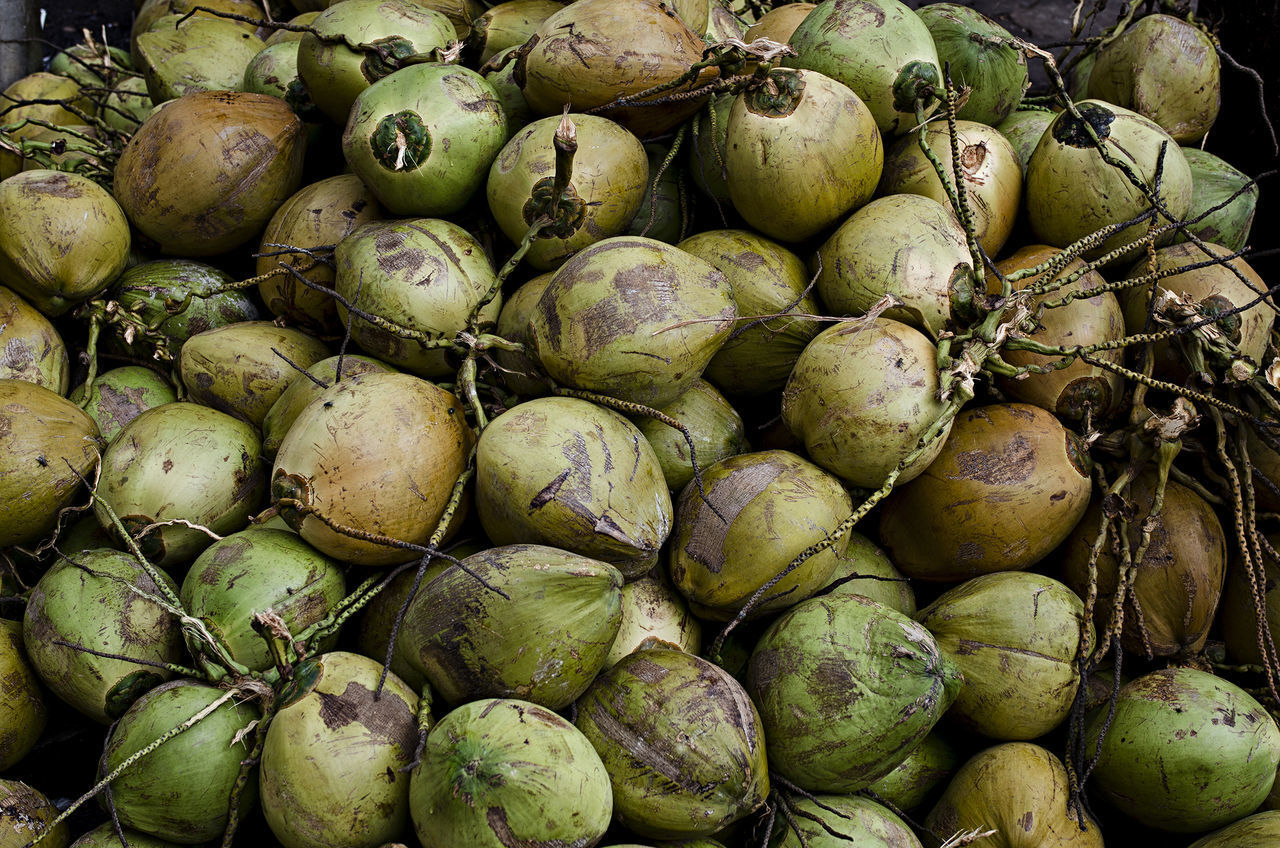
point(629, 423)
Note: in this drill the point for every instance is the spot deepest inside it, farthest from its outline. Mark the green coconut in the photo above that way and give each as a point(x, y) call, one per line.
point(1015, 637)
point(48, 448)
point(903, 245)
point(924, 772)
point(846, 689)
point(182, 790)
point(864, 569)
point(321, 213)
point(654, 612)
point(30, 347)
point(304, 388)
point(274, 71)
point(776, 310)
point(878, 48)
point(122, 394)
point(833, 821)
point(341, 459)
point(499, 72)
point(1238, 615)
point(549, 472)
point(592, 52)
point(1214, 183)
point(332, 771)
point(182, 462)
point(105, 601)
point(778, 23)
point(989, 167)
point(755, 513)
point(1071, 191)
point(1165, 68)
point(63, 238)
point(610, 175)
point(801, 153)
point(427, 274)
point(205, 174)
point(519, 621)
point(1185, 751)
point(1023, 129)
point(714, 426)
point(1257, 829)
point(22, 711)
point(862, 396)
point(243, 368)
point(26, 814)
point(509, 24)
point(982, 59)
point(1003, 469)
point(423, 138)
point(128, 105)
point(180, 57)
point(632, 318)
point(92, 64)
point(502, 772)
point(682, 743)
point(1020, 791)
point(175, 299)
point(261, 571)
point(709, 132)
point(335, 74)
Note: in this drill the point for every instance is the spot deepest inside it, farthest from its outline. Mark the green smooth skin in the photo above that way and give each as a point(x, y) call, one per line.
point(714, 426)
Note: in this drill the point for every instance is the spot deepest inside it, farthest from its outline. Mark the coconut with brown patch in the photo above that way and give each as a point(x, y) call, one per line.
point(181, 55)
point(593, 52)
point(333, 764)
point(775, 305)
point(22, 710)
point(632, 318)
point(1009, 485)
point(122, 394)
point(426, 274)
point(206, 173)
point(518, 621)
point(103, 601)
point(30, 347)
point(319, 214)
point(713, 425)
point(846, 689)
point(261, 570)
point(683, 746)
point(186, 464)
point(380, 455)
point(755, 513)
point(568, 473)
point(862, 396)
point(1185, 751)
point(26, 814)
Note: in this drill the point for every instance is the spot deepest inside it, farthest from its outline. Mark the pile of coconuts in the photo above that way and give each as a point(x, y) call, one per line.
point(633, 423)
